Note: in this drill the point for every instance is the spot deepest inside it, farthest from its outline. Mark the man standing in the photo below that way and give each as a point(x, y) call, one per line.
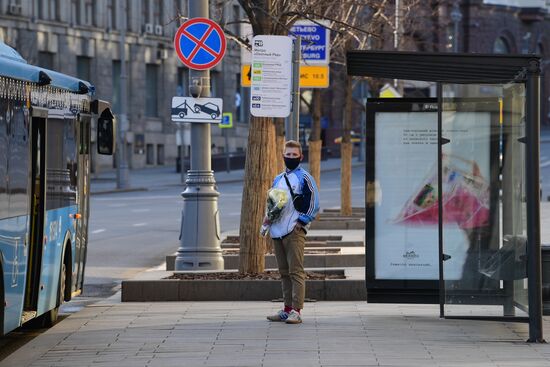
point(289, 232)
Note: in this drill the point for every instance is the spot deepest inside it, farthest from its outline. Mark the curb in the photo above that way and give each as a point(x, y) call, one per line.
point(114, 191)
point(237, 290)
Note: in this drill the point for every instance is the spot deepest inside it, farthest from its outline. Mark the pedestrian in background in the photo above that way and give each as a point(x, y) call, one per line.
point(289, 232)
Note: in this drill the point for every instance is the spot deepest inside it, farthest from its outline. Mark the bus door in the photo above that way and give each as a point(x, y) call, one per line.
point(83, 200)
point(37, 206)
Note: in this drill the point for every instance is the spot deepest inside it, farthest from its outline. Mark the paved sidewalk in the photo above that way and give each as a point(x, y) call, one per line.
point(149, 178)
point(237, 334)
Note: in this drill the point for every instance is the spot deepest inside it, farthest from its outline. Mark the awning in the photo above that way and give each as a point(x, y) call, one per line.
point(442, 67)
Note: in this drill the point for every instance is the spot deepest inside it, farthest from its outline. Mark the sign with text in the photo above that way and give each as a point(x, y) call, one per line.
point(205, 110)
point(315, 40)
point(311, 76)
point(271, 75)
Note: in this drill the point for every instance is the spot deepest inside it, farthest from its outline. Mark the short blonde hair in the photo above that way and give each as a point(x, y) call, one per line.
point(293, 144)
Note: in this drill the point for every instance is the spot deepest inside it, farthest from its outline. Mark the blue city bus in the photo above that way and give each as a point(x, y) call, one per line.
point(45, 128)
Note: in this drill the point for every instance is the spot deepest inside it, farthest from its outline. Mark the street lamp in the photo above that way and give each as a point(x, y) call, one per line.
point(456, 17)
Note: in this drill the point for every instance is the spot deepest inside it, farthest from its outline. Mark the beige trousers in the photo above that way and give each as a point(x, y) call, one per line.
point(289, 252)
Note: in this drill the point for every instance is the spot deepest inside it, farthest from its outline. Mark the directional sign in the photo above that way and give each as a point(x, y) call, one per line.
point(227, 120)
point(311, 76)
point(205, 110)
point(271, 76)
point(315, 40)
point(200, 43)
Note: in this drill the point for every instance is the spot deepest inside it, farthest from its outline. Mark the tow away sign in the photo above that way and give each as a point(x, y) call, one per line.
point(205, 110)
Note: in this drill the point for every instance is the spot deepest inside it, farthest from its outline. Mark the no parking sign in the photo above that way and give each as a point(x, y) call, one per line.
point(200, 43)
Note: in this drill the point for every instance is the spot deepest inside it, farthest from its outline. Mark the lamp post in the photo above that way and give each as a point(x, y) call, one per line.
point(456, 17)
point(200, 245)
point(123, 177)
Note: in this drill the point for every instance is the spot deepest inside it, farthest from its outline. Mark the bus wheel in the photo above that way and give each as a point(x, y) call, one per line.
point(50, 317)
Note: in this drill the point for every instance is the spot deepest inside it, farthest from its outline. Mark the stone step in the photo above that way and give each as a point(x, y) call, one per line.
point(166, 290)
point(236, 238)
point(310, 261)
point(311, 244)
point(332, 224)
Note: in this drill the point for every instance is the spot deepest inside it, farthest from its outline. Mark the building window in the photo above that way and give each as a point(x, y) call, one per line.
point(501, 46)
point(145, 11)
point(83, 68)
point(53, 10)
point(215, 84)
point(150, 154)
point(157, 12)
point(111, 14)
point(116, 86)
point(151, 88)
point(183, 82)
point(75, 12)
point(236, 18)
point(89, 13)
point(46, 60)
point(160, 154)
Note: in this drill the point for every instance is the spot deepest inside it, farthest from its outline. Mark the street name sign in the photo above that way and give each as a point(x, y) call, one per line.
point(227, 120)
point(271, 74)
point(315, 41)
point(311, 76)
point(200, 43)
point(205, 110)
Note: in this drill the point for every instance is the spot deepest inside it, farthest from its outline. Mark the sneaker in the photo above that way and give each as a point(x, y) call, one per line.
point(294, 318)
point(281, 315)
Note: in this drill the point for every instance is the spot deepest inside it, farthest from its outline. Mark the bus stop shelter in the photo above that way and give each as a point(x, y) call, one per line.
point(453, 205)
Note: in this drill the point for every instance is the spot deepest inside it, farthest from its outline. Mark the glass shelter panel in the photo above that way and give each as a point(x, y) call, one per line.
point(483, 206)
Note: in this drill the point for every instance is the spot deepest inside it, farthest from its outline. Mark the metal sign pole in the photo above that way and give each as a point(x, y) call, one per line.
point(532, 159)
point(200, 247)
point(292, 127)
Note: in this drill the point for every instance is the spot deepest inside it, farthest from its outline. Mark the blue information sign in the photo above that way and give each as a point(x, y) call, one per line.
point(315, 41)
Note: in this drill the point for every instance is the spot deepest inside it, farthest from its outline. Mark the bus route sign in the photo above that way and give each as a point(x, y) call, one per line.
point(200, 43)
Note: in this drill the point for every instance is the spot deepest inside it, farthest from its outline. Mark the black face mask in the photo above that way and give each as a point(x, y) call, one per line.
point(291, 163)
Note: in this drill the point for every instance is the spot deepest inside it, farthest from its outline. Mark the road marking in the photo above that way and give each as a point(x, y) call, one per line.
point(140, 210)
point(545, 164)
point(98, 231)
point(139, 224)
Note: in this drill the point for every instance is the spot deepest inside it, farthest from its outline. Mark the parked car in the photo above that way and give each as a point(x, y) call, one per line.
point(208, 108)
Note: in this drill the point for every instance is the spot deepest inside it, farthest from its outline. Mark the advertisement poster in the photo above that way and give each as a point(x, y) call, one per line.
point(406, 215)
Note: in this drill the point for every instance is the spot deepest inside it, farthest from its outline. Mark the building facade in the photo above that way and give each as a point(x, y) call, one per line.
point(82, 38)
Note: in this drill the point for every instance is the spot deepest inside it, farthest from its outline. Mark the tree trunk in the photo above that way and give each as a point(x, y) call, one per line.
point(259, 174)
point(315, 142)
point(346, 149)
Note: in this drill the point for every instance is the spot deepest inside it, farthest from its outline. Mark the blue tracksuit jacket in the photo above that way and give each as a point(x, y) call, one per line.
point(302, 183)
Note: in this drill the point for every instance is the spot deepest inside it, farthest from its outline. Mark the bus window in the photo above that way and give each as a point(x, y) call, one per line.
point(18, 162)
point(3, 161)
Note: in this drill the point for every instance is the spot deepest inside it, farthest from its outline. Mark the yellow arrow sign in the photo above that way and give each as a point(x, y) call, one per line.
point(311, 76)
